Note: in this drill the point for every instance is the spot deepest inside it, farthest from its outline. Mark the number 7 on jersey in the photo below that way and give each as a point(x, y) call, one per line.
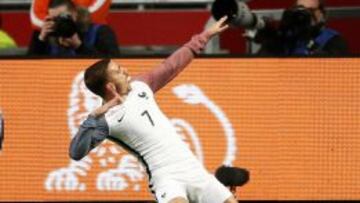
point(149, 117)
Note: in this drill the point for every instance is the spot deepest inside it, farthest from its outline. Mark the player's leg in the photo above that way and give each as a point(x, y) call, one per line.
point(215, 192)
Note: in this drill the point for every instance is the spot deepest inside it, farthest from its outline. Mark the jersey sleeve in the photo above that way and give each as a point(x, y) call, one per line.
point(174, 64)
point(91, 133)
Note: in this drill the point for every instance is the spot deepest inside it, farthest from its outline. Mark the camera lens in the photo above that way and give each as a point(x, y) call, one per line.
point(221, 8)
point(64, 26)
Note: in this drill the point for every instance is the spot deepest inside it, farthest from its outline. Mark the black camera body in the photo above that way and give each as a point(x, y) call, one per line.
point(64, 26)
point(297, 23)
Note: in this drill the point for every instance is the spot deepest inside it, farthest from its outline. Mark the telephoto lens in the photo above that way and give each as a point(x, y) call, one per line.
point(221, 8)
point(238, 13)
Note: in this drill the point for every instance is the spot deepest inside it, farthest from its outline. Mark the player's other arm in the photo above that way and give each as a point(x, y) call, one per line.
point(91, 133)
point(93, 130)
point(173, 65)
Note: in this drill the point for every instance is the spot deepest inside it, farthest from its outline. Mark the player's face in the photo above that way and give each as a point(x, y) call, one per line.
point(119, 76)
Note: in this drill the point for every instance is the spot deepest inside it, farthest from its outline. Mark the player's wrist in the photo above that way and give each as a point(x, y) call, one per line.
point(207, 34)
point(97, 112)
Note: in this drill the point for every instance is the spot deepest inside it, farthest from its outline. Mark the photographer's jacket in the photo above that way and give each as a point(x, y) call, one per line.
point(98, 40)
point(326, 42)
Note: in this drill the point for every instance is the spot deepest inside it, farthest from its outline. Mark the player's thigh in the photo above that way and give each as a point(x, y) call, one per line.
point(215, 192)
point(171, 192)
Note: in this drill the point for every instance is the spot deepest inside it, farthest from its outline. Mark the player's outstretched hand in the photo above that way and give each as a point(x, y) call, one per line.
point(218, 27)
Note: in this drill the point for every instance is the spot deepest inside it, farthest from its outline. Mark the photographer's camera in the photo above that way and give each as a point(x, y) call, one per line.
point(64, 26)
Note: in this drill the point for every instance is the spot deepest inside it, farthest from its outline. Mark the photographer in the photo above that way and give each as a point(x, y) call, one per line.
point(68, 31)
point(301, 31)
point(98, 9)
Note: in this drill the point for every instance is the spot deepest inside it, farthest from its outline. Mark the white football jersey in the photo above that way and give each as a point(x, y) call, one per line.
point(141, 127)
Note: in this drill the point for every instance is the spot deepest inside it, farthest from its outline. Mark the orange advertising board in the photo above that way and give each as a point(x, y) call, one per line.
point(293, 123)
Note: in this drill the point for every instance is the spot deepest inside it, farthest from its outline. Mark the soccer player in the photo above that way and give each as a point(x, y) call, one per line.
point(131, 118)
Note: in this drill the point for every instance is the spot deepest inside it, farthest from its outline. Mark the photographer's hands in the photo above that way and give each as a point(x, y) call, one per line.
point(71, 42)
point(46, 29)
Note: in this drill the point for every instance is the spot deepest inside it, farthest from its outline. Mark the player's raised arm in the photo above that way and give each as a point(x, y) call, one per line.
point(173, 65)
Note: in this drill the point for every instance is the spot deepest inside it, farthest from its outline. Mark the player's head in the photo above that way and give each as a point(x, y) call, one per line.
point(105, 75)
